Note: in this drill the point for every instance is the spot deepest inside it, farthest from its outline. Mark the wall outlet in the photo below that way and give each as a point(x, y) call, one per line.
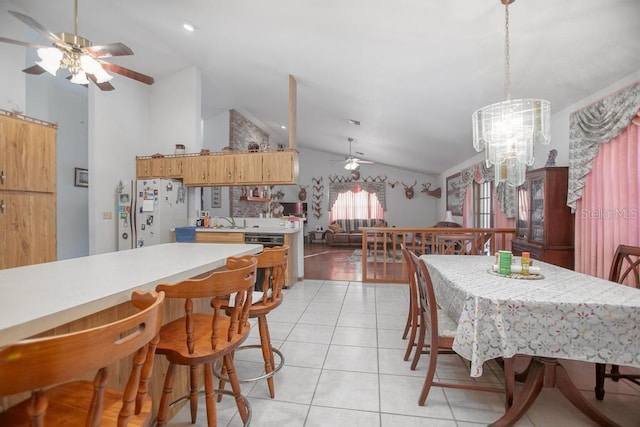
point(106, 215)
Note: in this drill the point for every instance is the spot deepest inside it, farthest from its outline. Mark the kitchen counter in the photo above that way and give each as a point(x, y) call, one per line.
point(250, 230)
point(38, 298)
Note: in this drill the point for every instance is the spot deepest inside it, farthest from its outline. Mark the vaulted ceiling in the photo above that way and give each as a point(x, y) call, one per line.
point(411, 71)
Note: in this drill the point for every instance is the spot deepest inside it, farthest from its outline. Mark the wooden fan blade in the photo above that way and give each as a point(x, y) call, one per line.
point(127, 73)
point(106, 86)
point(39, 28)
point(109, 50)
point(35, 70)
point(19, 43)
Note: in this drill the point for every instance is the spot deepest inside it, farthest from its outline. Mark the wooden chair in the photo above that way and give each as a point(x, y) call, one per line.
point(412, 325)
point(441, 332)
point(35, 364)
point(625, 269)
point(272, 266)
point(200, 339)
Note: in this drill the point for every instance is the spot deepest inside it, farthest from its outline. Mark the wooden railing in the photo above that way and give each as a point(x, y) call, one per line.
point(382, 254)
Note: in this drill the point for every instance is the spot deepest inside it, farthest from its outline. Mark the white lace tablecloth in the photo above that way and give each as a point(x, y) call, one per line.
point(566, 315)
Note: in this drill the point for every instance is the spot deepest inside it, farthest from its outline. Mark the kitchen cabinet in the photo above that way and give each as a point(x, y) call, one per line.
point(173, 167)
point(222, 169)
point(545, 224)
point(263, 168)
point(279, 167)
point(195, 170)
point(249, 168)
point(219, 237)
point(143, 167)
point(27, 191)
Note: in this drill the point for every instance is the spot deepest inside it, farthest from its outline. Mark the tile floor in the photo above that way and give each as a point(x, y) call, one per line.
point(344, 367)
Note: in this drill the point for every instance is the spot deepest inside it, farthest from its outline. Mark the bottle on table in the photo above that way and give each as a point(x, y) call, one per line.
point(525, 261)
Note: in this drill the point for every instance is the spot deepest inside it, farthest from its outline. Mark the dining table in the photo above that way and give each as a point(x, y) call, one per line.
point(555, 314)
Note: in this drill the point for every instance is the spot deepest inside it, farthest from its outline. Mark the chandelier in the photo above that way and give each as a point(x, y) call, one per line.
point(73, 58)
point(508, 130)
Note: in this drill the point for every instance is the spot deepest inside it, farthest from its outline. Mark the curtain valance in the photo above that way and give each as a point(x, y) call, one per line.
point(597, 124)
point(379, 188)
point(481, 173)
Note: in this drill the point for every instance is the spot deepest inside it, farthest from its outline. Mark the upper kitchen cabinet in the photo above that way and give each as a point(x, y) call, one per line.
point(280, 167)
point(143, 167)
point(195, 170)
point(28, 160)
point(249, 168)
point(222, 169)
point(173, 167)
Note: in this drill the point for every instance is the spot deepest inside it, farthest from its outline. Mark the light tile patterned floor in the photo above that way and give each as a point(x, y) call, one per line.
point(343, 350)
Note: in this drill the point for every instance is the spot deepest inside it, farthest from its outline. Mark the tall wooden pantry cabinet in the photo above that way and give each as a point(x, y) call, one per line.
point(27, 191)
point(545, 223)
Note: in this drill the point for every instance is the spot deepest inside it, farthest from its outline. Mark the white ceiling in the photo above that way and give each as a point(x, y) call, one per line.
point(411, 71)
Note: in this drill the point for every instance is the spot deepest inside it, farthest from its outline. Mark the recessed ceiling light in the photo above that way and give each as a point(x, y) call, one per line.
point(354, 122)
point(283, 126)
point(188, 27)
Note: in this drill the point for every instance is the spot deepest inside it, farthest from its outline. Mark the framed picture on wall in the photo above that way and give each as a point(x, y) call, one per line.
point(454, 195)
point(216, 197)
point(81, 177)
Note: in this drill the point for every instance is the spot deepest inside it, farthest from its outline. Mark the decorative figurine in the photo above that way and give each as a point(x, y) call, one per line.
point(551, 160)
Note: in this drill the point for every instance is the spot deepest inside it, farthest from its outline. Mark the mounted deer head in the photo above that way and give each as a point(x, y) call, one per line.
point(437, 193)
point(408, 190)
point(302, 194)
point(393, 184)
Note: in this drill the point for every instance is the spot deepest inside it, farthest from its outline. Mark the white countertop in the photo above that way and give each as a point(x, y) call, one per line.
point(250, 230)
point(39, 297)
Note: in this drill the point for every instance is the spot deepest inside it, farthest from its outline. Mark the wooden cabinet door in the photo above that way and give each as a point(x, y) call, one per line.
point(222, 169)
point(28, 228)
point(27, 155)
point(249, 168)
point(143, 168)
point(173, 167)
point(195, 170)
point(277, 167)
point(158, 167)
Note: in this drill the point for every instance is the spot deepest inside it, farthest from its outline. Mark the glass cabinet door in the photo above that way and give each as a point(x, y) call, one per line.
point(522, 224)
point(537, 210)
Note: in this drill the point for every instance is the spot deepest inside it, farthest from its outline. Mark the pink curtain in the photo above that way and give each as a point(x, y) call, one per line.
point(356, 204)
point(501, 221)
point(607, 215)
point(467, 207)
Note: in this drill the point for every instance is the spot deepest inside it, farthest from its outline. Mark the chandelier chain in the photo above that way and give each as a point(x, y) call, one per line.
point(507, 58)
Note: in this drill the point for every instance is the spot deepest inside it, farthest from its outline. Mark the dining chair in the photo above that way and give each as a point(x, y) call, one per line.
point(441, 331)
point(34, 365)
point(413, 318)
point(625, 269)
point(200, 338)
point(272, 267)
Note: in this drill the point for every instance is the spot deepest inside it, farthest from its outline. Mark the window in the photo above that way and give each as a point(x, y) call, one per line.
point(356, 204)
point(482, 204)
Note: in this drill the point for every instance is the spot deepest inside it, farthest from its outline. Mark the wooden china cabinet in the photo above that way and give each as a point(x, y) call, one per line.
point(545, 224)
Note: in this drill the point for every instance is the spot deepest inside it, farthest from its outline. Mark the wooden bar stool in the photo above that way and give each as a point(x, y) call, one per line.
point(272, 266)
point(35, 364)
point(200, 339)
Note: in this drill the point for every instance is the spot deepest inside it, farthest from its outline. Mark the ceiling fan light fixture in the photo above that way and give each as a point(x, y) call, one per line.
point(90, 66)
point(80, 78)
point(351, 165)
point(50, 59)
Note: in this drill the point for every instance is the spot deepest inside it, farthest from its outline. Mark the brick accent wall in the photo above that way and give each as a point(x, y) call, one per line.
point(243, 132)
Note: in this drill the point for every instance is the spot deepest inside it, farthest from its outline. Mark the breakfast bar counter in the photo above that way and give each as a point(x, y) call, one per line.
point(38, 298)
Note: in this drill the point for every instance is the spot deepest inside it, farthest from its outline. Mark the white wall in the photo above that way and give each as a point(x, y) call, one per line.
point(12, 79)
point(401, 212)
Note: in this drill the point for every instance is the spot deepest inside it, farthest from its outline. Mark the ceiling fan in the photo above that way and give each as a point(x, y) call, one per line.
point(351, 162)
point(77, 55)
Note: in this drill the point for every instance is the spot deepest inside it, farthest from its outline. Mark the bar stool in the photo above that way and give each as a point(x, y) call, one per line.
point(272, 266)
point(34, 364)
point(202, 338)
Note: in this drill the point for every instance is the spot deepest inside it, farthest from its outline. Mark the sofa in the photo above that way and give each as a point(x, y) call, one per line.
point(346, 232)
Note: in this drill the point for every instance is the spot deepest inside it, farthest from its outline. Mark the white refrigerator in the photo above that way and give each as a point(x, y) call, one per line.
point(148, 209)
